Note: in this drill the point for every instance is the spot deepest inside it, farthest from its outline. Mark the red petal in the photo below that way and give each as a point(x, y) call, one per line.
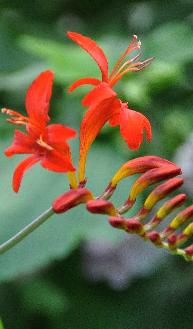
point(21, 169)
point(56, 135)
point(98, 94)
point(22, 144)
point(92, 123)
point(82, 82)
point(38, 98)
point(94, 51)
point(132, 126)
point(56, 161)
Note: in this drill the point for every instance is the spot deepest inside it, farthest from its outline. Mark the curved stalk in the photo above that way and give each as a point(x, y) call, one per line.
point(26, 231)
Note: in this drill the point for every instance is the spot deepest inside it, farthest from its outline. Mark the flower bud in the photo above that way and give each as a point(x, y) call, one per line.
point(117, 222)
point(71, 199)
point(132, 225)
point(154, 237)
point(162, 191)
point(100, 206)
point(182, 217)
point(138, 165)
point(151, 177)
point(189, 250)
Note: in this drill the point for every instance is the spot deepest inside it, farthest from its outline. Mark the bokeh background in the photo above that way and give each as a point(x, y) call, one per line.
point(76, 272)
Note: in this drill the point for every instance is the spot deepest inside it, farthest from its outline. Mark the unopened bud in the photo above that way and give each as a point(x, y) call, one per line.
point(182, 217)
point(151, 177)
point(170, 205)
point(162, 191)
point(117, 222)
point(100, 206)
point(189, 250)
point(154, 237)
point(132, 225)
point(139, 165)
point(71, 199)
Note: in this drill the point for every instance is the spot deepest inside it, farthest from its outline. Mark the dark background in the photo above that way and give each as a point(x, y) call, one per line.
point(76, 272)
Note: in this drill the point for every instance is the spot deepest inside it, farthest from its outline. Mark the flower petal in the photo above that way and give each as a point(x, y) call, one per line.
point(22, 144)
point(38, 98)
point(56, 136)
point(94, 51)
point(132, 126)
point(82, 82)
point(56, 161)
point(98, 94)
point(21, 169)
point(92, 123)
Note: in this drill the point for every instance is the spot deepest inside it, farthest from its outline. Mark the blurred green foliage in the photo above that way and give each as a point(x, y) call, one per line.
point(32, 39)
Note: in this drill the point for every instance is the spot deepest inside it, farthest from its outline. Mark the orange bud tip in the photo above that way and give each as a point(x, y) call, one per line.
point(134, 226)
point(100, 206)
point(71, 199)
point(117, 222)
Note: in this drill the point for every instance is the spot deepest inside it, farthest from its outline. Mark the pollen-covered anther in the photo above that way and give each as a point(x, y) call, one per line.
point(100, 206)
point(71, 199)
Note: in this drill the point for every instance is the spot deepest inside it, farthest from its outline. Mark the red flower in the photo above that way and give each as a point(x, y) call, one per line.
point(46, 144)
point(104, 104)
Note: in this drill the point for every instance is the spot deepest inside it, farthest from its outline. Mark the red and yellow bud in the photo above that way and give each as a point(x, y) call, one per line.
point(169, 206)
point(71, 199)
point(154, 237)
point(162, 191)
point(189, 250)
point(117, 222)
point(151, 177)
point(100, 206)
point(181, 218)
point(132, 225)
point(138, 165)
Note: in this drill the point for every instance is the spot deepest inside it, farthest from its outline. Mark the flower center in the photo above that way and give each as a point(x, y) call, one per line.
point(44, 144)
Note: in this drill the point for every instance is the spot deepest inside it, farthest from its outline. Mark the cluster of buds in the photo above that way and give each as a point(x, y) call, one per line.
point(146, 222)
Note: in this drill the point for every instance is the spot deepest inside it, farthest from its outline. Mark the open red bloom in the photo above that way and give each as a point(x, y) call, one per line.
point(104, 104)
point(46, 144)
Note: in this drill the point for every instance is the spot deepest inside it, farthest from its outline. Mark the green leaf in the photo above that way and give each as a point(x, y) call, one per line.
point(1, 325)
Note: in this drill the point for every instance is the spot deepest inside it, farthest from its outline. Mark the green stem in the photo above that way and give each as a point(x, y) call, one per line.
point(26, 231)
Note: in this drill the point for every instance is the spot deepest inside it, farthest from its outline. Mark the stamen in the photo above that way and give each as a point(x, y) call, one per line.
point(44, 144)
point(135, 67)
point(132, 46)
point(17, 118)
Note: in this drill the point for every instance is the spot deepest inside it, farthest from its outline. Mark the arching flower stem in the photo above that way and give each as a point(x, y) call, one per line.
point(26, 231)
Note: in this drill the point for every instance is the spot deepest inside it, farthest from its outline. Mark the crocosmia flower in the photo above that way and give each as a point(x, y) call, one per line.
point(44, 143)
point(103, 102)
